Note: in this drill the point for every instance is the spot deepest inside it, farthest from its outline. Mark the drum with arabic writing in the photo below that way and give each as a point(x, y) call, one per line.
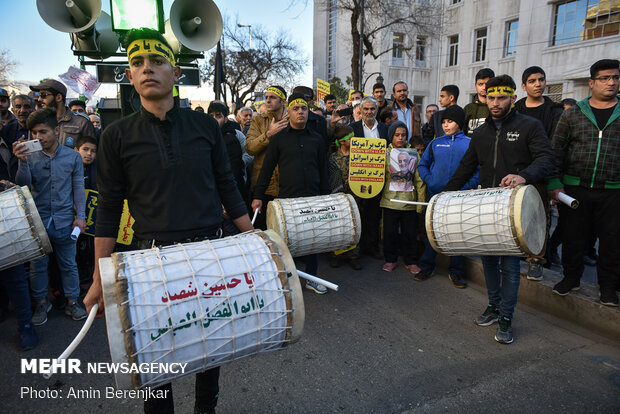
point(22, 234)
point(319, 224)
point(201, 304)
point(488, 222)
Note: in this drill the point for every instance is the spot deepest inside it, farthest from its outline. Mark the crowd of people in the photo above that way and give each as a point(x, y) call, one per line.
point(172, 163)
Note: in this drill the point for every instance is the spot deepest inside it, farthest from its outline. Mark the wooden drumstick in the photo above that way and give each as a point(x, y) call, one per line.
point(254, 218)
point(417, 203)
point(78, 338)
point(323, 282)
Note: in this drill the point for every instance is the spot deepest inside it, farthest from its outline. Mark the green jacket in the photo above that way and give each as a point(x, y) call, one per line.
point(418, 194)
point(586, 156)
point(475, 115)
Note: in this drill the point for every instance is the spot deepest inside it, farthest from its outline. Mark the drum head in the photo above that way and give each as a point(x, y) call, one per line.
point(530, 220)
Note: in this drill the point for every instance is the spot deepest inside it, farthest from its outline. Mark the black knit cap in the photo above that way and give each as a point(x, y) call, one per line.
point(454, 113)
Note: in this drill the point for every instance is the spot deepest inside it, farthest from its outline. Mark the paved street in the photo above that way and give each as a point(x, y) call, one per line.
point(382, 344)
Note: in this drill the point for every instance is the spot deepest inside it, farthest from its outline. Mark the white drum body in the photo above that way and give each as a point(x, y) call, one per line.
point(319, 224)
point(22, 234)
point(203, 304)
point(487, 222)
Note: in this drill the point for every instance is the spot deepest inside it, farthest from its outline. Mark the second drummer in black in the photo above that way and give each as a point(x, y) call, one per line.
point(299, 154)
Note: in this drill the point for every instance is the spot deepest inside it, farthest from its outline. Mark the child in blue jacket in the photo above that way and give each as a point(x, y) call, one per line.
point(438, 164)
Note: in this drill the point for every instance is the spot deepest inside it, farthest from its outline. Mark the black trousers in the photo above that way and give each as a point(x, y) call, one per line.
point(597, 212)
point(261, 219)
point(407, 220)
point(370, 213)
point(207, 387)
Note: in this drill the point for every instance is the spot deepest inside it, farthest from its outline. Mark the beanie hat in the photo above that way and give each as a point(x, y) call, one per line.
point(454, 113)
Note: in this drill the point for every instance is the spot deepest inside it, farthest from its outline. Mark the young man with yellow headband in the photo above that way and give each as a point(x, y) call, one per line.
point(299, 152)
point(511, 149)
point(172, 167)
point(262, 128)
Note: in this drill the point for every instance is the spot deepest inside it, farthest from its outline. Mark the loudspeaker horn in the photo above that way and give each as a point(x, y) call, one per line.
point(98, 38)
point(176, 45)
point(69, 16)
point(196, 24)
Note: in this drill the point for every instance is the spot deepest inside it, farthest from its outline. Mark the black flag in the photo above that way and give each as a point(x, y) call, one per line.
point(220, 77)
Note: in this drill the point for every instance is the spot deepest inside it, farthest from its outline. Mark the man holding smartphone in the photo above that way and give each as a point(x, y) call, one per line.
point(55, 176)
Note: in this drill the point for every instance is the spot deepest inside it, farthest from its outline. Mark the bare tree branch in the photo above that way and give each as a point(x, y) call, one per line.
point(6, 67)
point(273, 59)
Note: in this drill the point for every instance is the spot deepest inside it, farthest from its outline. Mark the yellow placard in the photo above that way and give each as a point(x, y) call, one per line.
point(125, 230)
point(257, 104)
point(367, 166)
point(322, 89)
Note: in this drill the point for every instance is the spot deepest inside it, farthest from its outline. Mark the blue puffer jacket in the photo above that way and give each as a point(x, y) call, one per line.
point(440, 160)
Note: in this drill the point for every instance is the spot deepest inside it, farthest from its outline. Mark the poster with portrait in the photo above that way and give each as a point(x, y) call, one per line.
point(403, 162)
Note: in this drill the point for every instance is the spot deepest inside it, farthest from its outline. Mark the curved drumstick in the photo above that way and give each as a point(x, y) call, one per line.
point(254, 218)
point(323, 282)
point(78, 338)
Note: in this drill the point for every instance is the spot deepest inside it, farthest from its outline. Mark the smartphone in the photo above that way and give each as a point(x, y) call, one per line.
point(33, 146)
point(345, 111)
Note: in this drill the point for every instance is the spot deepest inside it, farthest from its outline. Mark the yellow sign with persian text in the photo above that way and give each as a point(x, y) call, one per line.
point(125, 229)
point(322, 90)
point(367, 166)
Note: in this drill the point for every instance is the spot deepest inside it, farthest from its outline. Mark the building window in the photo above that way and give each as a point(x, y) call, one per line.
point(420, 52)
point(454, 2)
point(481, 45)
point(398, 44)
point(453, 50)
point(554, 92)
point(585, 19)
point(510, 42)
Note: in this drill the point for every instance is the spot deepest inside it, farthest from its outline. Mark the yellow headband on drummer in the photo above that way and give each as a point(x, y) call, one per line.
point(156, 47)
point(296, 102)
point(500, 90)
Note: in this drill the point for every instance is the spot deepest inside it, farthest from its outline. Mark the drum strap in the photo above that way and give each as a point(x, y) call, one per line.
point(152, 243)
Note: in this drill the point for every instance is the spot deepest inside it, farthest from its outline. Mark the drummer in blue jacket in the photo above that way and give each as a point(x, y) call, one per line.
point(438, 164)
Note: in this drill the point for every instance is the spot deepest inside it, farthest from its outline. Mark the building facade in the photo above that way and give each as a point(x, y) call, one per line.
point(332, 53)
point(564, 37)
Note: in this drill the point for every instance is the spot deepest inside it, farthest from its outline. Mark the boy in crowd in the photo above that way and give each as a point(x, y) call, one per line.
point(448, 97)
point(477, 111)
point(85, 256)
point(437, 166)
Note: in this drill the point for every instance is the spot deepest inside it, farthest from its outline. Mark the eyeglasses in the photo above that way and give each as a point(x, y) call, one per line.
point(45, 94)
point(606, 79)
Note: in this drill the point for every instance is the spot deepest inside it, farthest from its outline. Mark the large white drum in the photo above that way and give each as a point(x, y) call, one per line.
point(487, 222)
point(318, 224)
point(203, 304)
point(22, 234)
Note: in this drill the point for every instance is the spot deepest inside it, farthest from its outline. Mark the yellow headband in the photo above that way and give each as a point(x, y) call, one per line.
point(277, 91)
point(500, 90)
point(297, 101)
point(150, 46)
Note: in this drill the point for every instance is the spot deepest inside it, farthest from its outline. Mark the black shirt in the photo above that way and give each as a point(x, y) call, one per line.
point(537, 112)
point(174, 173)
point(300, 156)
point(602, 115)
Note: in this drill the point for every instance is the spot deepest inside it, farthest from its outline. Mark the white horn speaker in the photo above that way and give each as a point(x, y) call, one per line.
point(197, 24)
point(69, 16)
